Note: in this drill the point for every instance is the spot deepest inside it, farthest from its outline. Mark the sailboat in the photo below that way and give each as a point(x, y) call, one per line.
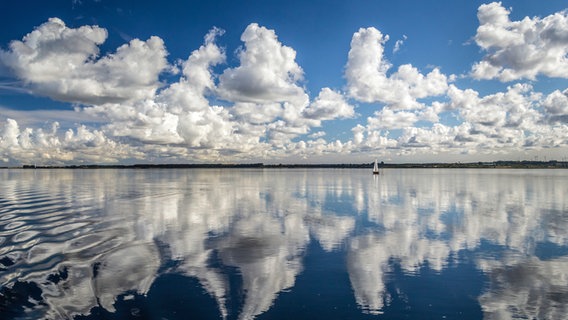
point(376, 167)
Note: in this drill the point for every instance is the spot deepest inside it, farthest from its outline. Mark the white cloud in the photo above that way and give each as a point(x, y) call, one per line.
point(556, 106)
point(513, 108)
point(9, 134)
point(368, 139)
point(181, 113)
point(520, 49)
point(267, 73)
point(197, 68)
point(389, 119)
point(258, 109)
point(368, 81)
point(502, 122)
point(399, 44)
point(50, 146)
point(516, 120)
point(265, 86)
point(38, 117)
point(257, 113)
point(318, 134)
point(329, 105)
point(64, 64)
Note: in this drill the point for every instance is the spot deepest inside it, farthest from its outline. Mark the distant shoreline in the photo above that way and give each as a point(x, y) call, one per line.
point(553, 164)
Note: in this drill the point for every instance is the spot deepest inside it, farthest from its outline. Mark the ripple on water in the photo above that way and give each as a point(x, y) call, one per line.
point(85, 242)
point(5, 250)
point(29, 244)
point(41, 208)
point(43, 251)
point(67, 227)
point(14, 232)
point(14, 225)
point(4, 215)
point(110, 242)
point(24, 236)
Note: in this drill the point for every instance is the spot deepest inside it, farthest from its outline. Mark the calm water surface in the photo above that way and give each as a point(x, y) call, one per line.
point(283, 244)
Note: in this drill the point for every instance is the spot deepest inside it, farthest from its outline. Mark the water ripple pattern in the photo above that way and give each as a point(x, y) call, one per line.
point(52, 235)
point(243, 244)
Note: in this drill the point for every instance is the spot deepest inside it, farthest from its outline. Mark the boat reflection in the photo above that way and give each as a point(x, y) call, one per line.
point(84, 242)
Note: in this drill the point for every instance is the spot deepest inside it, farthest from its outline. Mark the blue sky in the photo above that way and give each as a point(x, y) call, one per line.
point(294, 81)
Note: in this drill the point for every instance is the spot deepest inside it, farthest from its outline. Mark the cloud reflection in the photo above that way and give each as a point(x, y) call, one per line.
point(88, 238)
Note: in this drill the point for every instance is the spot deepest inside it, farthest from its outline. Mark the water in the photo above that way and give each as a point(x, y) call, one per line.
point(282, 244)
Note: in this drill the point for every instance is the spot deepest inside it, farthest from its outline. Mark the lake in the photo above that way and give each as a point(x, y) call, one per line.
point(283, 244)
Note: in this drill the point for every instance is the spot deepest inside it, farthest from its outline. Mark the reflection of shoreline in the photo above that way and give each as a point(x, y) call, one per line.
point(524, 164)
point(260, 222)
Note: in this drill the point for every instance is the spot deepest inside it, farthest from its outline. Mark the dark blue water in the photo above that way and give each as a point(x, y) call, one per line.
point(283, 244)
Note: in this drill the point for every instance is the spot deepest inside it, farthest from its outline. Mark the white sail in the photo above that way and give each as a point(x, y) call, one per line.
point(376, 168)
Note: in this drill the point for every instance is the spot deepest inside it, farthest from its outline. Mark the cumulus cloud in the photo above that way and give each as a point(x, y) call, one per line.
point(515, 120)
point(49, 145)
point(388, 119)
point(268, 71)
point(368, 79)
point(197, 78)
point(513, 108)
point(365, 139)
point(556, 106)
point(509, 120)
point(63, 63)
point(257, 109)
point(492, 122)
point(265, 89)
point(182, 114)
point(268, 106)
point(329, 105)
point(520, 49)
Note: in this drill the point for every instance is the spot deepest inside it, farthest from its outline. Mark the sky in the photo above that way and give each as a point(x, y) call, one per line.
point(123, 82)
